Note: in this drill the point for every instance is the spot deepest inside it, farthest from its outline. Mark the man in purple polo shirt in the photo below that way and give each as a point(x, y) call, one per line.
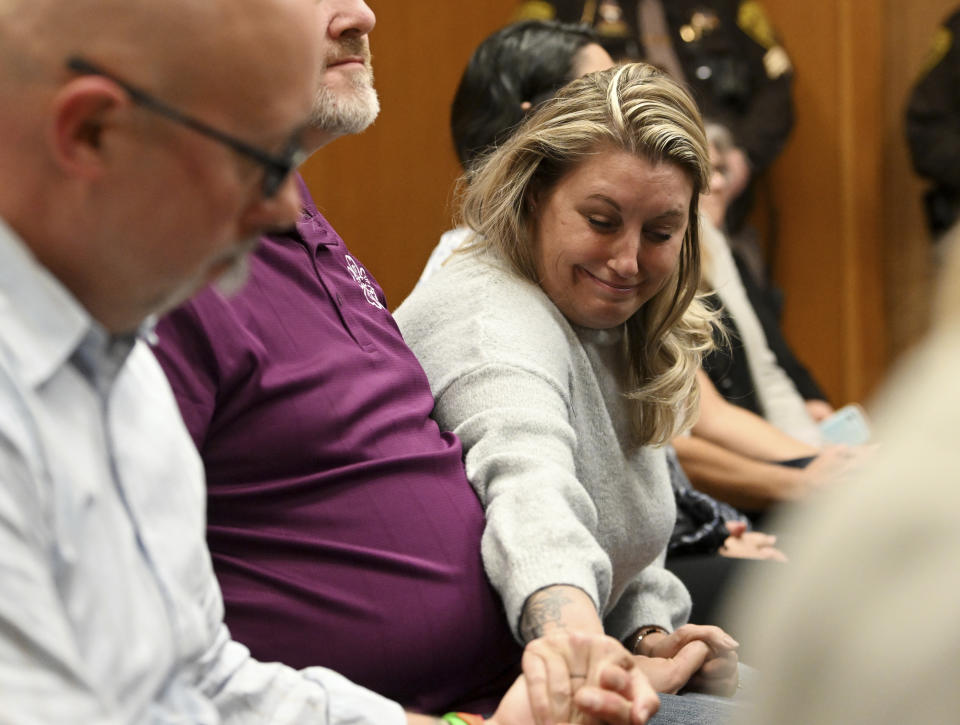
point(343, 529)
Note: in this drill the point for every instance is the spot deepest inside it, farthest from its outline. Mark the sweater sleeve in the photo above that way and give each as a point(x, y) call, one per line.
point(655, 596)
point(501, 382)
point(564, 505)
point(541, 522)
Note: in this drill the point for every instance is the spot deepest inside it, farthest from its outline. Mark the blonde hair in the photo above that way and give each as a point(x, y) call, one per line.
point(637, 109)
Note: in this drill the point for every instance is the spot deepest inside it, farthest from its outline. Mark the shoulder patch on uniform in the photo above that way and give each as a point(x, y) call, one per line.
point(776, 62)
point(752, 20)
point(535, 10)
point(939, 47)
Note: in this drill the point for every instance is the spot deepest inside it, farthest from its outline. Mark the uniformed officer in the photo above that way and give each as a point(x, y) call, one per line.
point(725, 50)
point(933, 127)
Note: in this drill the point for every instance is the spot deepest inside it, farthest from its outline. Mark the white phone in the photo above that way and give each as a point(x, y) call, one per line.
point(848, 425)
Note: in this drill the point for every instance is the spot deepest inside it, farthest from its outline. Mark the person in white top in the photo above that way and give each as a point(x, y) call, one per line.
point(733, 453)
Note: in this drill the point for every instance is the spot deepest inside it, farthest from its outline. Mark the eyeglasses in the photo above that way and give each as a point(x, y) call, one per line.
point(276, 167)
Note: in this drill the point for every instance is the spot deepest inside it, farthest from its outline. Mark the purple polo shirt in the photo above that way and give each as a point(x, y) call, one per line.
point(343, 529)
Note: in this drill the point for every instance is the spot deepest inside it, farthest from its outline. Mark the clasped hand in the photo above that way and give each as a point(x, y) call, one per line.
point(701, 658)
point(580, 678)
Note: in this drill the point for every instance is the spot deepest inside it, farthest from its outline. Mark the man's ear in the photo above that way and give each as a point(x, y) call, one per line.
point(83, 112)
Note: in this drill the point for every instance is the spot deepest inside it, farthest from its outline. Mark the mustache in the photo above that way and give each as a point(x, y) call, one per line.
point(349, 48)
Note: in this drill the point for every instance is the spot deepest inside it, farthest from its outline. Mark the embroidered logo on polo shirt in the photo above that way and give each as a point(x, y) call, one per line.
point(359, 275)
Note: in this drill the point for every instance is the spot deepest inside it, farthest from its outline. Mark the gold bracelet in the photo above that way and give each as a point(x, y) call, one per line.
point(634, 640)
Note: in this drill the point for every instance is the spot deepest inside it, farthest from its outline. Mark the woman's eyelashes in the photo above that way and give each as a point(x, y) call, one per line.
point(607, 224)
point(658, 236)
point(602, 224)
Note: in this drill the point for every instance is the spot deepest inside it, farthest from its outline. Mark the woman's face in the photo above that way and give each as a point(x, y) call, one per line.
point(714, 204)
point(607, 235)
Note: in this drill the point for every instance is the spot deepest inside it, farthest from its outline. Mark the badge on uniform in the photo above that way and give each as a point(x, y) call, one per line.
point(938, 49)
point(776, 62)
point(535, 10)
point(752, 20)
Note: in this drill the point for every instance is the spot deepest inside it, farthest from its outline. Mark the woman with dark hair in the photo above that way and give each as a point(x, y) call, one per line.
point(511, 72)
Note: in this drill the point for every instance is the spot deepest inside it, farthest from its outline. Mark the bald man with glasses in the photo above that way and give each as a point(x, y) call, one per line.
point(276, 168)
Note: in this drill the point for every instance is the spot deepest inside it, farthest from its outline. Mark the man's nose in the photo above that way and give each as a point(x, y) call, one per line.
point(351, 17)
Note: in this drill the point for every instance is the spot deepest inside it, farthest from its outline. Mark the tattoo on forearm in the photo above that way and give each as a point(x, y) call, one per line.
point(543, 608)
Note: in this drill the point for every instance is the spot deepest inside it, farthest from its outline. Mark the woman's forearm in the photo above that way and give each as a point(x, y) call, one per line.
point(559, 607)
point(741, 431)
point(740, 481)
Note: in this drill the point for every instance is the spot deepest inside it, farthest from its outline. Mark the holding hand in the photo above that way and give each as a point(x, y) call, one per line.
point(743, 544)
point(695, 657)
point(819, 410)
point(834, 463)
point(577, 678)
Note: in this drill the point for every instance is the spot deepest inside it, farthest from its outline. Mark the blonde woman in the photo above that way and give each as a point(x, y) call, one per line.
point(562, 346)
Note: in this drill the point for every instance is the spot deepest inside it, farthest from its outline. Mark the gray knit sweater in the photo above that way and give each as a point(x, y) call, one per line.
point(537, 404)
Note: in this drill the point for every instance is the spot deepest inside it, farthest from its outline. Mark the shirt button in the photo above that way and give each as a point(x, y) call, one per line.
point(339, 299)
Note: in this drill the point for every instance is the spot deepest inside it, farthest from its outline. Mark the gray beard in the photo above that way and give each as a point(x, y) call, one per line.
point(234, 278)
point(346, 113)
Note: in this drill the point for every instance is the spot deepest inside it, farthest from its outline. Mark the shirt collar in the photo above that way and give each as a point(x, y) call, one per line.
point(43, 326)
point(99, 357)
point(312, 227)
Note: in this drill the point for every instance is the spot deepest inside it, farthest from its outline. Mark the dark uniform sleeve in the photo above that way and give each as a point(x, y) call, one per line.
point(933, 112)
point(761, 125)
point(619, 37)
point(734, 63)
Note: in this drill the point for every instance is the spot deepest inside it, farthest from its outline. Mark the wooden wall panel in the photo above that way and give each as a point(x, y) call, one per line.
point(852, 255)
point(827, 188)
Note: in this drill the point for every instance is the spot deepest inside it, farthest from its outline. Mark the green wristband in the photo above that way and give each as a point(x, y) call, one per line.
point(462, 718)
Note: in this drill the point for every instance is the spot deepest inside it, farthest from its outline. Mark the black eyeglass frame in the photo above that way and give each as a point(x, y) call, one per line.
point(276, 167)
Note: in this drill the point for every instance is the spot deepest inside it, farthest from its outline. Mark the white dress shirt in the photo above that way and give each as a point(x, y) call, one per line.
point(110, 610)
